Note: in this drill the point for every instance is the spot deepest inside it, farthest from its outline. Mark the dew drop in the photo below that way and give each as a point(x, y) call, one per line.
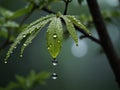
point(24, 36)
point(58, 41)
point(54, 76)
point(30, 32)
point(25, 44)
point(5, 62)
point(14, 47)
point(55, 36)
point(55, 62)
point(21, 55)
point(48, 48)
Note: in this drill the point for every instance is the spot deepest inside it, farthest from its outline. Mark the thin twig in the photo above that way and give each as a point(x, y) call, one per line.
point(48, 10)
point(92, 38)
point(66, 6)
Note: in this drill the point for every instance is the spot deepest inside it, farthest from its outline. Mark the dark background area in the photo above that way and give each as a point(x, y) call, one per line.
point(80, 68)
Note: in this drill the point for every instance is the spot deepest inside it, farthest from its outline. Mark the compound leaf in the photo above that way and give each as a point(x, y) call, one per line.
point(32, 27)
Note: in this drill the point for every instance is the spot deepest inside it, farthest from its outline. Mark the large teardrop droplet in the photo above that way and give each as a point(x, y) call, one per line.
point(54, 76)
point(55, 62)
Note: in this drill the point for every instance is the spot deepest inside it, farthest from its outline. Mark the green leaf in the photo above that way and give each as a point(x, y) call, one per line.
point(5, 13)
point(34, 34)
point(33, 26)
point(71, 29)
point(54, 37)
point(11, 24)
point(21, 12)
point(78, 24)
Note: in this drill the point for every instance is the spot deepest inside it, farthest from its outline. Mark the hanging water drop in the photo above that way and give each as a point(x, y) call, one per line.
point(54, 76)
point(55, 62)
point(5, 62)
point(55, 36)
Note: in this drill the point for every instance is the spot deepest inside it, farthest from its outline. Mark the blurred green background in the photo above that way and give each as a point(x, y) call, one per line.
point(79, 68)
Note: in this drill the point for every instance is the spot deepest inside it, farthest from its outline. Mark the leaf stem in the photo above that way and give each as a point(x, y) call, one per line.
point(66, 6)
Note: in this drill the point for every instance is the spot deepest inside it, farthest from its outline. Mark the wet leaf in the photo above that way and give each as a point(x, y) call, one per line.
point(54, 37)
point(32, 27)
point(71, 29)
point(34, 34)
point(79, 24)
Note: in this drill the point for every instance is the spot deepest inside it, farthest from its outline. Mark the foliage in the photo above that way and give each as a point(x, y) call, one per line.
point(54, 33)
point(27, 83)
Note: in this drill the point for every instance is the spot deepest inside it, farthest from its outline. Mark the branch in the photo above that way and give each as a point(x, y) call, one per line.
point(66, 6)
point(92, 38)
point(106, 42)
point(48, 10)
point(85, 34)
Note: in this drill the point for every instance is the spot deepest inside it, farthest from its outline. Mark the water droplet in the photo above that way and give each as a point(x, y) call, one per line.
point(55, 62)
point(24, 36)
point(55, 36)
point(21, 55)
point(90, 34)
point(30, 32)
point(48, 48)
point(14, 47)
point(58, 41)
point(5, 62)
point(54, 76)
point(25, 44)
point(38, 27)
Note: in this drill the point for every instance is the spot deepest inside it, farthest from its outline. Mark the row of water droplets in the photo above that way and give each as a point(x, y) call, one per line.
point(54, 74)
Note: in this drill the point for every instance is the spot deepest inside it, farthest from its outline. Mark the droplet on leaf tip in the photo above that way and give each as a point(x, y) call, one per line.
point(5, 62)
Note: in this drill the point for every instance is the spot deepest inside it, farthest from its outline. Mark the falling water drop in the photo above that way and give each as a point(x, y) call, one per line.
point(55, 62)
point(54, 76)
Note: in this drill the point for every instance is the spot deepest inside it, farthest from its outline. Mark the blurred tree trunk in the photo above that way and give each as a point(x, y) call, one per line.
point(107, 44)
